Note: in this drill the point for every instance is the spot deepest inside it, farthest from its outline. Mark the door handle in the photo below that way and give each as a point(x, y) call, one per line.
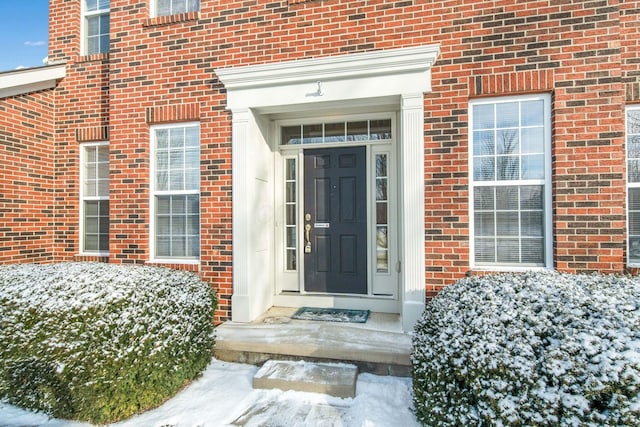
point(307, 231)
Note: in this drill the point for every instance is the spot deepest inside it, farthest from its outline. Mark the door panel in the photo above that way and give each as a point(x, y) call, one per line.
point(335, 198)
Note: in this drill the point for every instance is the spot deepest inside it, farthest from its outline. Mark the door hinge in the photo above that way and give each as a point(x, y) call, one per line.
point(398, 267)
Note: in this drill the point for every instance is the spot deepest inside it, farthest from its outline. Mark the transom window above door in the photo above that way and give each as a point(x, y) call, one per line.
point(336, 132)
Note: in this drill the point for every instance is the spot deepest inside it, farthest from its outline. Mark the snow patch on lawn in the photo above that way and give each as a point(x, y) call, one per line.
point(224, 394)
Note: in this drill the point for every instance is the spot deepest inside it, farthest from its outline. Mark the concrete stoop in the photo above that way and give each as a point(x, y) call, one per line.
point(334, 379)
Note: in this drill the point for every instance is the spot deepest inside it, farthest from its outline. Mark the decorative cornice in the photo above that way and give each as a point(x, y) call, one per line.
point(27, 80)
point(381, 62)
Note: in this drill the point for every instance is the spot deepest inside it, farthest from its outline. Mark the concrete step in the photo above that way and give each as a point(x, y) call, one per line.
point(374, 347)
point(334, 379)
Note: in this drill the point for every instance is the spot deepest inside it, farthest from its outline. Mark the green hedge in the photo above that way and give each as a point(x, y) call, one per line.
point(533, 349)
point(100, 342)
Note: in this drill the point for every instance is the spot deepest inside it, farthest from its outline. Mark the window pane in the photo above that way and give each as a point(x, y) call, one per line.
point(484, 223)
point(381, 189)
point(533, 140)
point(533, 251)
point(484, 169)
point(334, 132)
point(163, 7)
point(508, 251)
point(91, 5)
point(358, 131)
point(162, 139)
point(633, 172)
point(484, 143)
point(291, 260)
point(291, 135)
point(381, 165)
point(382, 250)
point(507, 198)
point(483, 198)
point(533, 167)
point(381, 213)
point(485, 250)
point(532, 224)
point(507, 224)
point(483, 117)
point(291, 237)
point(508, 168)
point(380, 129)
point(507, 142)
point(507, 115)
point(532, 113)
point(531, 197)
point(311, 134)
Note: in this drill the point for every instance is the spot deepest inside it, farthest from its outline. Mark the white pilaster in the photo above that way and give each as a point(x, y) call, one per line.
point(241, 299)
point(412, 212)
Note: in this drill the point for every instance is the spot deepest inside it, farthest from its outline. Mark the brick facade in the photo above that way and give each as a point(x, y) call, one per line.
point(162, 70)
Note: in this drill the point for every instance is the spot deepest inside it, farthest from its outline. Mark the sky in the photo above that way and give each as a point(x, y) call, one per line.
point(23, 33)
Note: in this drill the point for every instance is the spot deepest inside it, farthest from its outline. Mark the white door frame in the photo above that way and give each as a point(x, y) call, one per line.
point(389, 77)
point(382, 287)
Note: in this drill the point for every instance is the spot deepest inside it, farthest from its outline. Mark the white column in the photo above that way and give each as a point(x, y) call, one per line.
point(241, 298)
point(412, 212)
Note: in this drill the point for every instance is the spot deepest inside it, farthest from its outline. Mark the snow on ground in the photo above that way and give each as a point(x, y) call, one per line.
point(224, 395)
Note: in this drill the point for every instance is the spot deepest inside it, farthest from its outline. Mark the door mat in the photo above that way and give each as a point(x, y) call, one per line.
point(331, 315)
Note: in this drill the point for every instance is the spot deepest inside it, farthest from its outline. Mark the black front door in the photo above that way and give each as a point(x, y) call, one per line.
point(335, 226)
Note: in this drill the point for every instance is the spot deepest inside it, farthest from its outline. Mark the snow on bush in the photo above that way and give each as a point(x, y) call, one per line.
point(536, 349)
point(100, 342)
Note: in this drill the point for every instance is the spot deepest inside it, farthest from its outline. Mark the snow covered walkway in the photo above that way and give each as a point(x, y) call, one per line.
point(223, 396)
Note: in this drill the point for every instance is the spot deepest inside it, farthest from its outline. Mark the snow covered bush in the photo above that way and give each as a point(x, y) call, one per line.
point(532, 349)
point(100, 342)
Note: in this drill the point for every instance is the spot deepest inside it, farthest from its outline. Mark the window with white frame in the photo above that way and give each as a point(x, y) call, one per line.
point(94, 195)
point(176, 191)
point(172, 7)
point(511, 184)
point(633, 184)
point(96, 26)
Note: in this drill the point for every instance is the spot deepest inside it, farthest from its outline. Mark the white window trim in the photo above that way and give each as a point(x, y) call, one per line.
point(153, 193)
point(83, 24)
point(628, 185)
point(154, 9)
point(547, 182)
point(82, 177)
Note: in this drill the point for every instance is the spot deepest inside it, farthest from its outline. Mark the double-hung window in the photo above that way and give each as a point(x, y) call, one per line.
point(172, 7)
point(96, 26)
point(510, 154)
point(176, 192)
point(633, 185)
point(94, 195)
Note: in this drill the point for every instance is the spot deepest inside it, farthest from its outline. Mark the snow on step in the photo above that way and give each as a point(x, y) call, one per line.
point(335, 379)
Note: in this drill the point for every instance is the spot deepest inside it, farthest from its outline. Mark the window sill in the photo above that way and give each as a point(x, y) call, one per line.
point(184, 263)
point(93, 58)
point(504, 269)
point(171, 19)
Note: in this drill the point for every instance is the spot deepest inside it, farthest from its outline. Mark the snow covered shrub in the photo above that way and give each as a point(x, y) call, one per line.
point(100, 342)
point(535, 349)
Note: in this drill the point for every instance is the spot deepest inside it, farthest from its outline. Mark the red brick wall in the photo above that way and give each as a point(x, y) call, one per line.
point(26, 178)
point(583, 52)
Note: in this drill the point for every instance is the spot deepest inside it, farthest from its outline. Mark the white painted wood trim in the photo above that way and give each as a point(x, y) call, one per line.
point(30, 80)
point(412, 212)
point(383, 62)
point(240, 299)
